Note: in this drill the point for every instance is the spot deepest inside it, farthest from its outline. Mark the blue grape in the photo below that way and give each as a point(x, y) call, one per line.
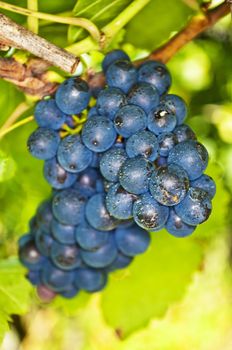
point(195, 207)
point(191, 155)
point(121, 74)
point(70, 293)
point(184, 133)
point(92, 112)
point(29, 255)
point(90, 239)
point(166, 142)
point(43, 143)
point(111, 162)
point(176, 227)
point(169, 185)
point(70, 121)
point(90, 280)
point(44, 216)
point(206, 183)
point(177, 105)
point(120, 262)
point(130, 119)
point(161, 120)
point(97, 215)
point(119, 202)
point(157, 74)
point(149, 214)
point(64, 234)
point(48, 115)
point(72, 96)
point(68, 206)
point(145, 96)
point(88, 182)
point(112, 57)
point(34, 277)
point(134, 175)
point(143, 143)
point(109, 101)
point(102, 256)
point(57, 279)
point(65, 257)
point(161, 162)
point(57, 176)
point(132, 241)
point(98, 134)
point(43, 242)
point(72, 155)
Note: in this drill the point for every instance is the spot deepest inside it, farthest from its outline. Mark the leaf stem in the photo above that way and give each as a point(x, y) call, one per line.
point(80, 22)
point(16, 125)
point(33, 22)
point(110, 30)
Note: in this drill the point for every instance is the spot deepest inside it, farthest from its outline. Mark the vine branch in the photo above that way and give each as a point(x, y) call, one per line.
point(195, 26)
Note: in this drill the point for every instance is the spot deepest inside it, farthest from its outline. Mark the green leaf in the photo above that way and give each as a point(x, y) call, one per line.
point(154, 281)
point(156, 22)
point(100, 12)
point(14, 291)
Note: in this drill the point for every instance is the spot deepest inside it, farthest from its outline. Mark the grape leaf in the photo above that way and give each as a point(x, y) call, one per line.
point(98, 11)
point(14, 291)
point(155, 280)
point(156, 22)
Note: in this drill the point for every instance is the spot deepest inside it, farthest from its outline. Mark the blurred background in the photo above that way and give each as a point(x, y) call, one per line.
point(176, 296)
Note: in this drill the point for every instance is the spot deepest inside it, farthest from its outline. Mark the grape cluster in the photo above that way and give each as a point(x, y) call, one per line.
point(134, 167)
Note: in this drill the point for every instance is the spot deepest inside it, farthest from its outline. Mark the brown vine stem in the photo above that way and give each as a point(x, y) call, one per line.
point(20, 37)
point(196, 26)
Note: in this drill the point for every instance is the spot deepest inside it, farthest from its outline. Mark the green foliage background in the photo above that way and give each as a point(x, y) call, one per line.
point(177, 295)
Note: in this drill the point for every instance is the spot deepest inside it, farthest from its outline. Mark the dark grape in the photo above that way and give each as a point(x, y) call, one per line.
point(111, 162)
point(130, 119)
point(206, 183)
point(43, 143)
point(121, 74)
point(156, 74)
point(48, 115)
point(57, 176)
point(149, 214)
point(68, 206)
point(64, 234)
point(65, 257)
point(98, 134)
point(195, 207)
point(112, 57)
point(90, 280)
point(89, 238)
point(176, 227)
point(191, 156)
point(132, 241)
point(97, 214)
point(72, 155)
point(145, 96)
point(73, 95)
point(119, 202)
point(143, 143)
point(161, 120)
point(109, 101)
point(169, 185)
point(177, 105)
point(135, 174)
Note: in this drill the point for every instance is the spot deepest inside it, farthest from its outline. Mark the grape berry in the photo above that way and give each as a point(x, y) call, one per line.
point(134, 167)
